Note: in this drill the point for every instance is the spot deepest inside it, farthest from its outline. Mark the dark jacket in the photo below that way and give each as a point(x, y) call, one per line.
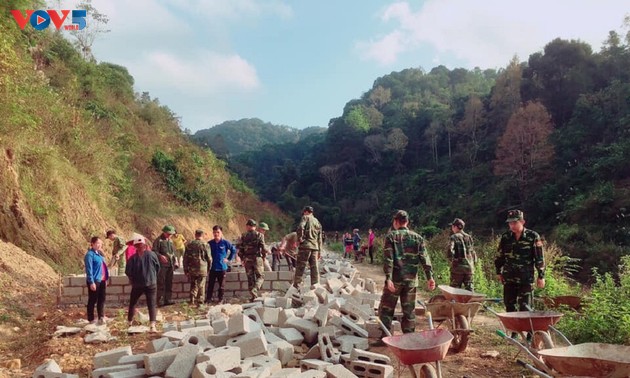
point(142, 271)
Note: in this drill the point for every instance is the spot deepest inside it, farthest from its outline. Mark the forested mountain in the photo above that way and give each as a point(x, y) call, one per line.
point(549, 135)
point(249, 134)
point(81, 152)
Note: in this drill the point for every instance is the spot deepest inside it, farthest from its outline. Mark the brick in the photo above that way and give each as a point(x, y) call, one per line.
point(307, 328)
point(220, 339)
point(321, 316)
point(158, 345)
point(231, 277)
point(348, 326)
point(133, 373)
point(201, 371)
point(166, 327)
point(348, 342)
point(365, 356)
point(371, 370)
point(115, 290)
point(157, 363)
point(257, 372)
point(350, 308)
point(339, 371)
point(72, 291)
point(314, 364)
point(136, 359)
point(100, 372)
point(110, 357)
point(202, 322)
point(186, 324)
point(283, 303)
point(287, 373)
point(284, 315)
point(184, 362)
point(373, 329)
point(326, 347)
point(311, 374)
point(243, 367)
point(78, 281)
point(242, 277)
point(251, 344)
point(291, 335)
point(269, 316)
point(118, 281)
point(285, 276)
point(232, 285)
point(285, 351)
point(266, 285)
point(238, 325)
point(220, 359)
point(280, 285)
point(176, 336)
point(273, 364)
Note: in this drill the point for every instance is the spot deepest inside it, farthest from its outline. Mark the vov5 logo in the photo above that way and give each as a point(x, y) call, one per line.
point(41, 19)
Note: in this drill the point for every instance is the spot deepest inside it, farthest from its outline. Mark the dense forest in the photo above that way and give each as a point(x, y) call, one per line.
point(549, 135)
point(235, 137)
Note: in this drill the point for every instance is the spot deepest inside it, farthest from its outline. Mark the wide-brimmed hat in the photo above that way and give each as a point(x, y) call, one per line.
point(263, 226)
point(168, 229)
point(251, 222)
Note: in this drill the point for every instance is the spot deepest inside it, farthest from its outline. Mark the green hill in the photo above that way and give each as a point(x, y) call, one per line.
point(232, 138)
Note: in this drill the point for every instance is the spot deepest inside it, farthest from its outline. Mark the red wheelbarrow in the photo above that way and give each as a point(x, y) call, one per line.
point(422, 348)
point(537, 323)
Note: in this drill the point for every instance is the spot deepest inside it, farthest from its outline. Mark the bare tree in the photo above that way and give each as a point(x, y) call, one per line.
point(470, 128)
point(96, 25)
point(333, 175)
point(397, 143)
point(375, 145)
point(380, 96)
point(433, 134)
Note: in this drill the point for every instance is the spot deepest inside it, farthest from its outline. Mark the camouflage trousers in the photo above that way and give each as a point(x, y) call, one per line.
point(306, 256)
point(254, 268)
point(407, 294)
point(462, 278)
point(517, 293)
point(197, 289)
point(165, 284)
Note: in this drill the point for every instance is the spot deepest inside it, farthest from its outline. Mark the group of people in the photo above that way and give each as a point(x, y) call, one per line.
point(520, 256)
point(354, 248)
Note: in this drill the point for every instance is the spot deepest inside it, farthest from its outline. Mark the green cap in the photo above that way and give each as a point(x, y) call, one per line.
point(458, 222)
point(401, 216)
point(199, 232)
point(515, 215)
point(308, 208)
point(264, 226)
point(251, 222)
point(168, 229)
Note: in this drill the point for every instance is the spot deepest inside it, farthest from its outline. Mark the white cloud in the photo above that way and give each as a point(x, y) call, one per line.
point(201, 74)
point(488, 33)
point(233, 9)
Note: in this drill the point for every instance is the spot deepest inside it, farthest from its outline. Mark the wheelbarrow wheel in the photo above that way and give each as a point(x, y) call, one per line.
point(460, 339)
point(437, 298)
point(542, 340)
point(428, 371)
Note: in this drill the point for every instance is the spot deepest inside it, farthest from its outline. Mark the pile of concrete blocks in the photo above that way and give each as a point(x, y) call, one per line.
point(315, 332)
point(50, 369)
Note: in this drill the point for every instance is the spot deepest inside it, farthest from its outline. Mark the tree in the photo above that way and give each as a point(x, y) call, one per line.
point(433, 134)
point(506, 95)
point(470, 127)
point(357, 119)
point(333, 174)
point(524, 151)
point(96, 24)
point(380, 96)
point(397, 143)
point(375, 144)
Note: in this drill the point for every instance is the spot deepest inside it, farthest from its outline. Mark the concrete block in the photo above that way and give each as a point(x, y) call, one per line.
point(347, 342)
point(294, 295)
point(243, 367)
point(50, 366)
point(373, 329)
point(322, 295)
point(280, 285)
point(220, 359)
point(133, 373)
point(345, 359)
point(238, 325)
point(271, 334)
point(254, 317)
point(269, 302)
point(184, 362)
point(314, 364)
point(313, 353)
point(333, 284)
point(331, 331)
point(272, 351)
point(251, 344)
point(273, 364)
point(219, 325)
point(202, 322)
point(339, 371)
point(348, 326)
point(310, 297)
point(365, 356)
point(283, 302)
point(269, 316)
point(285, 351)
point(100, 372)
point(350, 308)
point(370, 286)
point(287, 373)
point(198, 339)
point(48, 374)
point(284, 315)
point(157, 345)
point(321, 316)
point(220, 339)
point(176, 336)
point(396, 326)
point(285, 276)
point(110, 357)
point(326, 347)
point(136, 359)
point(307, 328)
point(371, 370)
point(255, 372)
point(202, 370)
point(157, 363)
point(291, 335)
point(311, 374)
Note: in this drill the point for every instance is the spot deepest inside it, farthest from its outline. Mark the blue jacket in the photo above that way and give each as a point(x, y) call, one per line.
point(94, 264)
point(219, 252)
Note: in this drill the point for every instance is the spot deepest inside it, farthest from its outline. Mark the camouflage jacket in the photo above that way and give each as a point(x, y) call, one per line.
point(516, 259)
point(309, 233)
point(252, 244)
point(404, 253)
point(118, 249)
point(166, 248)
point(461, 253)
point(196, 258)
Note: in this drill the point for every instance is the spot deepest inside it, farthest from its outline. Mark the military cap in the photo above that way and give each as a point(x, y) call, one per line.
point(401, 216)
point(458, 223)
point(168, 229)
point(264, 226)
point(515, 215)
point(199, 232)
point(308, 208)
point(251, 222)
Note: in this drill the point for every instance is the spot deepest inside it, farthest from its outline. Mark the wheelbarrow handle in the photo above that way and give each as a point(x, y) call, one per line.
point(562, 336)
point(539, 364)
point(532, 369)
point(380, 323)
point(485, 306)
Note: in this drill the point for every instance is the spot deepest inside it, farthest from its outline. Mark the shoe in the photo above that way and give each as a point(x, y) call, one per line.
point(153, 329)
point(93, 321)
point(101, 321)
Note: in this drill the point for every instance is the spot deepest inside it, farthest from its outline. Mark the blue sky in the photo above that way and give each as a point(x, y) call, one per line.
point(297, 63)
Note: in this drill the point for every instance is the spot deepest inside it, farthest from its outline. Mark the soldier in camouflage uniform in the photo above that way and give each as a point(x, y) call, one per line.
point(251, 250)
point(309, 233)
point(118, 252)
point(403, 254)
point(163, 247)
point(520, 251)
point(462, 256)
point(196, 259)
